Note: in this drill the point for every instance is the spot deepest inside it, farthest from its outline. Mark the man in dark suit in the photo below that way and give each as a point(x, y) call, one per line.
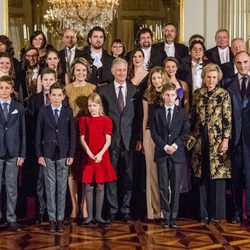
point(169, 130)
point(99, 59)
point(221, 54)
point(12, 146)
point(152, 57)
point(239, 90)
point(70, 52)
point(169, 47)
point(55, 149)
point(118, 104)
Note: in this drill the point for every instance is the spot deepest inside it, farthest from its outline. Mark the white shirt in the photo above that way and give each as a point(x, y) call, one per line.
point(224, 55)
point(2, 102)
point(147, 54)
point(70, 54)
point(97, 58)
point(169, 49)
point(240, 80)
point(196, 75)
point(172, 112)
point(123, 89)
point(35, 72)
point(58, 108)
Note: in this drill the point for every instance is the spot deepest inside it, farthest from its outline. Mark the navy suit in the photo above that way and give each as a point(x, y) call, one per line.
point(181, 50)
point(12, 146)
point(55, 141)
point(169, 167)
point(240, 144)
point(214, 57)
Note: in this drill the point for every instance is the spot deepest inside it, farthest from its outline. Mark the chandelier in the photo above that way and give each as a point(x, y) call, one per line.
point(80, 15)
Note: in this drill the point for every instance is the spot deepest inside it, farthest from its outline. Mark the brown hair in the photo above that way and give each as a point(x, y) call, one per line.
point(79, 60)
point(8, 79)
point(168, 87)
point(12, 69)
point(57, 85)
point(47, 71)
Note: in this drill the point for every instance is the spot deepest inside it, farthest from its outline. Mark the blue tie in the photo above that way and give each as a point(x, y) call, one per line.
point(56, 116)
point(5, 110)
point(169, 117)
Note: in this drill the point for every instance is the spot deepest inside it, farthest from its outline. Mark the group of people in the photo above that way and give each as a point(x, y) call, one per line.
point(162, 114)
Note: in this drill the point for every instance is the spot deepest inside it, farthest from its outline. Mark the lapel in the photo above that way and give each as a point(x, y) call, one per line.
point(11, 109)
point(1, 114)
point(174, 122)
point(217, 56)
point(62, 115)
point(176, 51)
point(163, 117)
point(129, 96)
point(51, 115)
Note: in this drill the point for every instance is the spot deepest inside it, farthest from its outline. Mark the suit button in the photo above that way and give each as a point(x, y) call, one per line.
point(169, 135)
point(57, 131)
point(54, 141)
point(6, 128)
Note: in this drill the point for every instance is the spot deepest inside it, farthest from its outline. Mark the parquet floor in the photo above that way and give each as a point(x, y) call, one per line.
point(137, 235)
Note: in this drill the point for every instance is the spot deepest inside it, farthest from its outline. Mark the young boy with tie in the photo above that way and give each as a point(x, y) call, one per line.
point(169, 129)
point(55, 146)
point(12, 146)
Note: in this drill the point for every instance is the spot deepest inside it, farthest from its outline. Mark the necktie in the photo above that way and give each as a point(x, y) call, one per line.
point(169, 117)
point(120, 99)
point(5, 110)
point(56, 115)
point(243, 87)
point(69, 53)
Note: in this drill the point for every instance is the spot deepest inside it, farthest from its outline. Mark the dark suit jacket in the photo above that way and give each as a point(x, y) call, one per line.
point(241, 111)
point(214, 57)
point(103, 74)
point(162, 134)
point(12, 131)
point(122, 121)
point(180, 50)
point(62, 55)
point(50, 135)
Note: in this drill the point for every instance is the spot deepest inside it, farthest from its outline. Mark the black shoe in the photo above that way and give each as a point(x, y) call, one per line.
point(59, 226)
point(166, 223)
point(215, 221)
point(39, 219)
point(127, 218)
point(205, 220)
point(52, 226)
point(102, 222)
point(13, 227)
point(112, 217)
point(236, 219)
point(86, 222)
point(174, 223)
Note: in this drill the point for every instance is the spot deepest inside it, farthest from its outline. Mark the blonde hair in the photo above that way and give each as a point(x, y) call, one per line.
point(211, 67)
point(95, 98)
point(150, 92)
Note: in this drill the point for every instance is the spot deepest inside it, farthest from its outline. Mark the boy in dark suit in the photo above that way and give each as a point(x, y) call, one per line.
point(169, 130)
point(12, 146)
point(55, 149)
point(48, 77)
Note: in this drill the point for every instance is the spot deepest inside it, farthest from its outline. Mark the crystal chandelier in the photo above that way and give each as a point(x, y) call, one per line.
point(80, 15)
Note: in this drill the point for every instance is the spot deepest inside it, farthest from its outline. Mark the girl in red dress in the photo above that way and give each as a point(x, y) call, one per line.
point(95, 137)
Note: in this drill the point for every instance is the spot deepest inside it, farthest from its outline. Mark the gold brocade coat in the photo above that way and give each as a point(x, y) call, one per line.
point(216, 112)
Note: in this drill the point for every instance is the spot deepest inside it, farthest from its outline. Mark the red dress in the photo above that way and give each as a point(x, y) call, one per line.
point(94, 129)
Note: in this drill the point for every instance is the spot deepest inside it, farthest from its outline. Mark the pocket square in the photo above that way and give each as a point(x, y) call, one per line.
point(14, 112)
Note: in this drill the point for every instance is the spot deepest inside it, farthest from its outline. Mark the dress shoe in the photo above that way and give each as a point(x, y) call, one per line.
point(112, 217)
point(174, 223)
point(127, 218)
point(214, 221)
point(102, 222)
point(59, 226)
point(52, 226)
point(13, 227)
point(86, 222)
point(39, 219)
point(236, 219)
point(205, 220)
point(166, 223)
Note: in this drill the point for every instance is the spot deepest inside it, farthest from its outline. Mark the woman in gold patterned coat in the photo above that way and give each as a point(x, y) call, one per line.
point(78, 92)
point(211, 126)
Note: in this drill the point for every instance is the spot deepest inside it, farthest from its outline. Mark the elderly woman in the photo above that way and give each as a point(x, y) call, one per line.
point(211, 126)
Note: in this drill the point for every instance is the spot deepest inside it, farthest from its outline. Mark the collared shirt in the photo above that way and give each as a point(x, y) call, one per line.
point(169, 49)
point(124, 90)
point(2, 102)
point(35, 72)
point(196, 75)
point(70, 54)
point(147, 54)
point(58, 108)
point(240, 80)
point(224, 55)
